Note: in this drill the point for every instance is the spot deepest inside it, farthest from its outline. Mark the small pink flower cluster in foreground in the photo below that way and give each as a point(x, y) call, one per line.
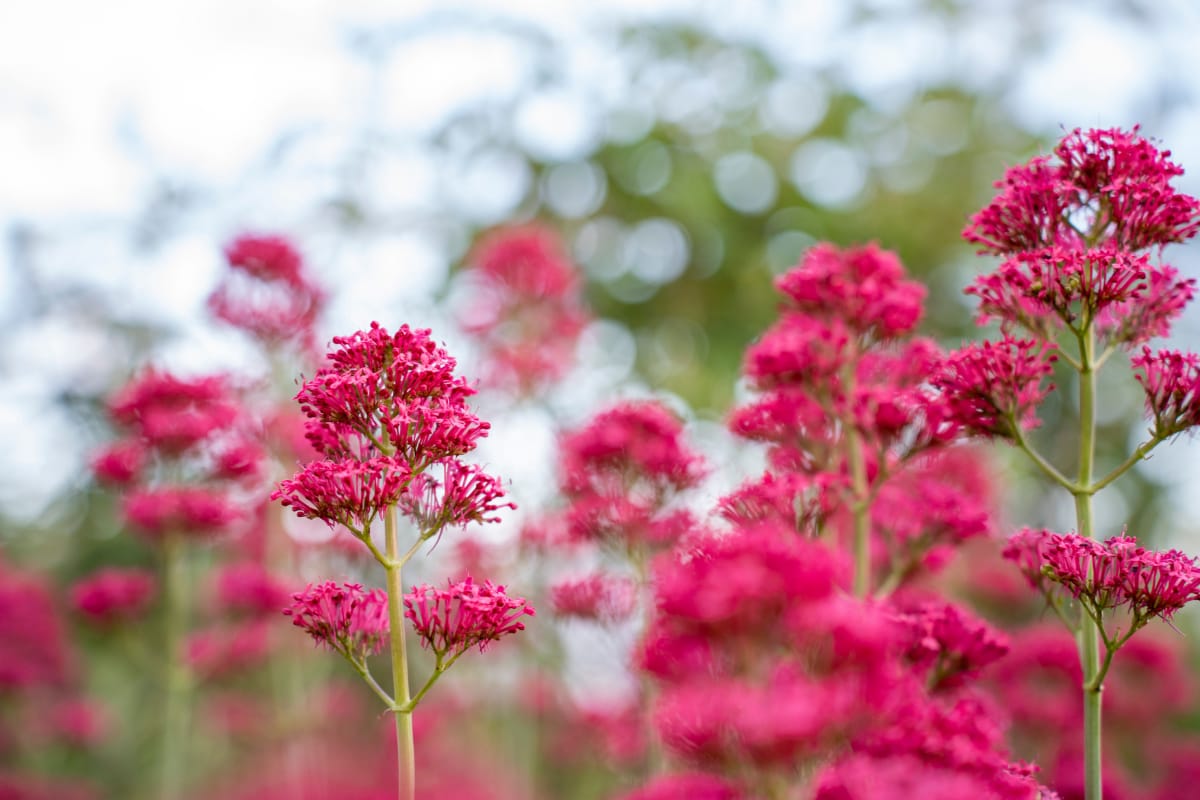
point(465, 614)
point(389, 414)
point(1108, 575)
point(347, 619)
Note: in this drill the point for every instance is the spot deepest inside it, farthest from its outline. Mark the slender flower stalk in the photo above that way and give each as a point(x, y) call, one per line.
point(392, 421)
point(176, 675)
point(1074, 230)
point(405, 754)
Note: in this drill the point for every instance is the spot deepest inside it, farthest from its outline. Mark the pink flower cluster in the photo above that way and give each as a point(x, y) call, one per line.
point(114, 595)
point(347, 619)
point(1108, 575)
point(385, 410)
point(994, 388)
point(950, 643)
point(1105, 184)
point(866, 286)
point(267, 292)
point(595, 597)
point(620, 471)
point(465, 614)
point(524, 307)
point(766, 669)
point(193, 428)
point(1171, 381)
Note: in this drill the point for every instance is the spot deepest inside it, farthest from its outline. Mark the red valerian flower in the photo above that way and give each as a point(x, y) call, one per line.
point(1171, 380)
point(172, 414)
point(114, 595)
point(190, 510)
point(466, 614)
point(994, 388)
point(347, 619)
point(345, 492)
point(1108, 575)
point(1104, 186)
point(596, 597)
point(524, 306)
point(692, 785)
point(267, 292)
point(865, 287)
point(120, 463)
point(249, 588)
point(949, 644)
point(397, 393)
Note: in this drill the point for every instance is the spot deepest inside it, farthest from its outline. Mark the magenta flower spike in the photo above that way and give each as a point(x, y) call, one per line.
point(344, 618)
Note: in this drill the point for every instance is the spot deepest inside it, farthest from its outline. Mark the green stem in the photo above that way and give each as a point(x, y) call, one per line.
point(406, 757)
point(1042, 463)
point(1141, 452)
point(1088, 640)
point(176, 678)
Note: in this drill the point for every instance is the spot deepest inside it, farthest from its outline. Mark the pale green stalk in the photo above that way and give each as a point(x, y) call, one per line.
point(176, 678)
point(406, 758)
point(1089, 655)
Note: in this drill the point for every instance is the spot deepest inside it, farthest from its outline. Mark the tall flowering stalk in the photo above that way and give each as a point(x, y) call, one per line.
point(1078, 285)
point(392, 421)
point(183, 465)
point(853, 427)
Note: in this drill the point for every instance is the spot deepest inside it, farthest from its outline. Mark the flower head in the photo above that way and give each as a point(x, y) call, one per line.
point(865, 287)
point(267, 292)
point(1171, 381)
point(395, 394)
point(994, 388)
point(346, 618)
point(1108, 575)
point(248, 588)
point(466, 614)
point(595, 597)
point(114, 595)
point(1103, 186)
point(523, 306)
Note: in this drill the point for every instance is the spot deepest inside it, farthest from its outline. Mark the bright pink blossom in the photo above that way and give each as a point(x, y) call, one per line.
point(227, 648)
point(1108, 575)
point(248, 588)
point(866, 287)
point(800, 350)
point(634, 441)
point(690, 785)
point(735, 584)
point(114, 595)
point(1104, 186)
point(523, 306)
point(33, 645)
point(1171, 381)
point(466, 614)
point(190, 510)
point(346, 491)
point(463, 494)
point(172, 414)
point(267, 292)
point(949, 644)
point(900, 777)
point(994, 388)
point(347, 619)
point(395, 394)
point(595, 597)
point(120, 463)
